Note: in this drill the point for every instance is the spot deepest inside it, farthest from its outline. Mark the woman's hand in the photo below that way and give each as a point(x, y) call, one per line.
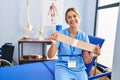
point(52, 50)
point(53, 37)
point(96, 51)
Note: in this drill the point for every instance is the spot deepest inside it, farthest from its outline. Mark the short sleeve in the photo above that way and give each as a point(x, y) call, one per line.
point(85, 38)
point(57, 44)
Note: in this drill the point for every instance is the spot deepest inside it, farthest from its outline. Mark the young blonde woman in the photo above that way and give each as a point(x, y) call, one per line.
point(71, 61)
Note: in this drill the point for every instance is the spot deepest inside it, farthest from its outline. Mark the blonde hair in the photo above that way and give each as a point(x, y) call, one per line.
point(71, 9)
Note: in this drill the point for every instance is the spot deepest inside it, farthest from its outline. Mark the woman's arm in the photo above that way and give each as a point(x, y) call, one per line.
point(52, 51)
point(89, 56)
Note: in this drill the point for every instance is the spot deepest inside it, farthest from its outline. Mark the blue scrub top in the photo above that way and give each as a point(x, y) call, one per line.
point(66, 52)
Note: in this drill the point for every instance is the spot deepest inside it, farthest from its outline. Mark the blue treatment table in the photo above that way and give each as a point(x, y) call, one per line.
point(32, 71)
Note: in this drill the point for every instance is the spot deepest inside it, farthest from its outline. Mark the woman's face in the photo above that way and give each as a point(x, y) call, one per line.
point(72, 19)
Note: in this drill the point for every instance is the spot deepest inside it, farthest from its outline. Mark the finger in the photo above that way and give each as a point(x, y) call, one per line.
point(52, 37)
point(93, 54)
point(97, 50)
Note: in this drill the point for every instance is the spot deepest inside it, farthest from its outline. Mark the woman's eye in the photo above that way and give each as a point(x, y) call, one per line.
point(69, 17)
point(74, 16)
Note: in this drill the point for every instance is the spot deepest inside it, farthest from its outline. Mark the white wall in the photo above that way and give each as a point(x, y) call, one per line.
point(13, 19)
point(116, 57)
